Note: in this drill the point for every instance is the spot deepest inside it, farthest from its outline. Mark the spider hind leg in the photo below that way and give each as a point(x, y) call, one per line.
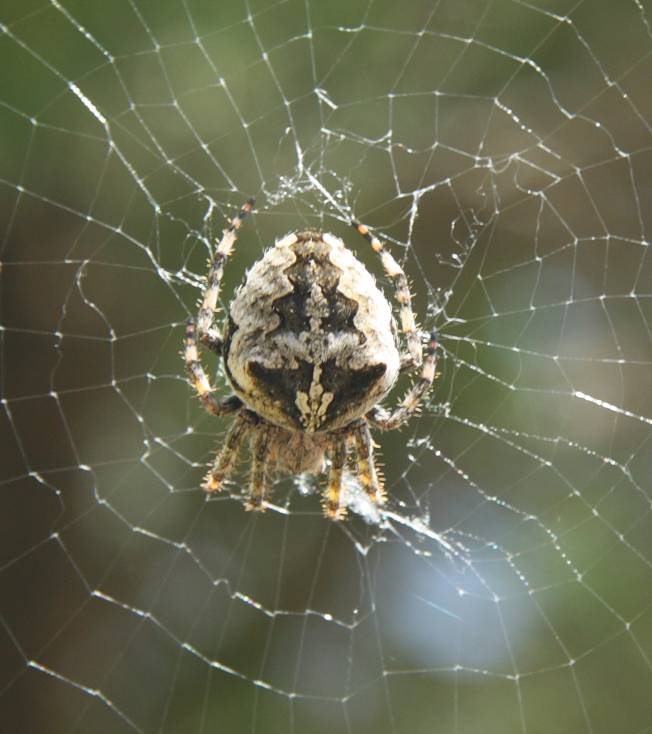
point(412, 401)
point(202, 329)
point(207, 331)
point(199, 379)
point(394, 272)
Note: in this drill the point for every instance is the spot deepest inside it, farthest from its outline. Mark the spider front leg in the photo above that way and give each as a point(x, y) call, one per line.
point(223, 464)
point(259, 466)
point(412, 400)
point(331, 498)
point(363, 461)
point(395, 273)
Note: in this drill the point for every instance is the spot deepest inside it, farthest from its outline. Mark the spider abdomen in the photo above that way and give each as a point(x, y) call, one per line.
point(310, 342)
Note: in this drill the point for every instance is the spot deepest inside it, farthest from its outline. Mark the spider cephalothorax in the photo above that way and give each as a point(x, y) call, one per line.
point(311, 348)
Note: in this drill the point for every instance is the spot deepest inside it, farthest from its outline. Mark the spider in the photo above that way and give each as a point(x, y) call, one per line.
point(310, 348)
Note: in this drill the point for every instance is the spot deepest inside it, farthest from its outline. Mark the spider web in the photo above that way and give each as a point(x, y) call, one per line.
point(503, 151)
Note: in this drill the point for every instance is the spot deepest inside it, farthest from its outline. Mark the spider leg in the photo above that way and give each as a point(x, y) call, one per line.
point(351, 455)
point(331, 498)
point(208, 333)
point(260, 463)
point(203, 328)
point(407, 408)
point(365, 465)
point(395, 273)
point(200, 380)
point(225, 460)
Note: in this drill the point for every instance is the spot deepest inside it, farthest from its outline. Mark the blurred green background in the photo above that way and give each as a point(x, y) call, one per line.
point(504, 150)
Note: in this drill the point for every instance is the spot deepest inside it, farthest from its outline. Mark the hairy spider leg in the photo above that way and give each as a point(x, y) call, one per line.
point(395, 273)
point(411, 401)
point(331, 497)
point(365, 465)
point(203, 326)
point(259, 466)
point(206, 329)
point(223, 464)
point(199, 378)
